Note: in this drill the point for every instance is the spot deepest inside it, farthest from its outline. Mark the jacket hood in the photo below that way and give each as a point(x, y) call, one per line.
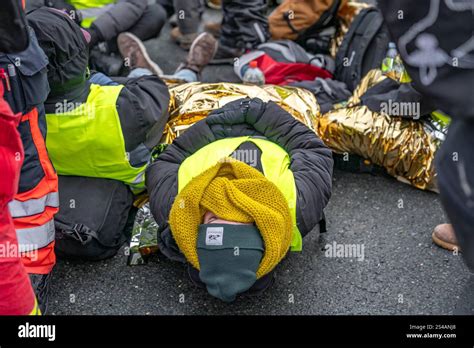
point(66, 47)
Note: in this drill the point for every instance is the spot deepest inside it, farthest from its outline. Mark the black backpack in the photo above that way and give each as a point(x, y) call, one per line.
point(363, 47)
point(95, 217)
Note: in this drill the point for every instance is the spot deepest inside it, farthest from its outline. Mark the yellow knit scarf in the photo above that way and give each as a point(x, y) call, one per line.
point(233, 191)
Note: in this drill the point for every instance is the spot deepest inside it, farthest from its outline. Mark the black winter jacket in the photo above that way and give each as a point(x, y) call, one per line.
point(311, 161)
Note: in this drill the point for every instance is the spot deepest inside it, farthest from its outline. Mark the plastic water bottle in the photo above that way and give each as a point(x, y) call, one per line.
point(389, 60)
point(392, 64)
point(253, 75)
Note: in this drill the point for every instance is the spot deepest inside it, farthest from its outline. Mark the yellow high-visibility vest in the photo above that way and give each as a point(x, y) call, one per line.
point(90, 9)
point(88, 140)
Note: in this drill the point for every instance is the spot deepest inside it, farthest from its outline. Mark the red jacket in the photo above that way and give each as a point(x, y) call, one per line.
point(16, 295)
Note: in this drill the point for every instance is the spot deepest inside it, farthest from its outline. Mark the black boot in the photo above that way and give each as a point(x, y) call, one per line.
point(40, 284)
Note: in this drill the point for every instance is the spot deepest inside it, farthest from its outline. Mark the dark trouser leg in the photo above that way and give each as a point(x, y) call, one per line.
point(465, 304)
point(167, 5)
point(455, 167)
point(228, 30)
point(188, 13)
point(150, 23)
point(245, 24)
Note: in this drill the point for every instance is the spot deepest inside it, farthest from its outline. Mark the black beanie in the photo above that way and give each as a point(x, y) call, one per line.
point(66, 47)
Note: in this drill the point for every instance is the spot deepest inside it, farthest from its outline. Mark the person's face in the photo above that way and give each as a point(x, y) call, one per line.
point(211, 218)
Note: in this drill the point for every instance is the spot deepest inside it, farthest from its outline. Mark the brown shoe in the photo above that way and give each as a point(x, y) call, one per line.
point(214, 4)
point(202, 51)
point(133, 50)
point(183, 40)
point(443, 236)
point(213, 28)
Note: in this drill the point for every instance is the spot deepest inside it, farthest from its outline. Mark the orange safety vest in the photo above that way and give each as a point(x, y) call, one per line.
point(33, 210)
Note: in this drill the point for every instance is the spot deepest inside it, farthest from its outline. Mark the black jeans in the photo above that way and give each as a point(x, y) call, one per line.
point(188, 13)
point(150, 23)
point(147, 27)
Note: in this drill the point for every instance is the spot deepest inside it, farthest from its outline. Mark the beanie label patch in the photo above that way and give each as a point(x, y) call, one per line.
point(214, 235)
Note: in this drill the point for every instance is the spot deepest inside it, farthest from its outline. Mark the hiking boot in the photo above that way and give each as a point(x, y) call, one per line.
point(40, 284)
point(110, 65)
point(183, 40)
point(201, 53)
point(444, 236)
point(214, 4)
point(226, 54)
point(134, 52)
point(213, 28)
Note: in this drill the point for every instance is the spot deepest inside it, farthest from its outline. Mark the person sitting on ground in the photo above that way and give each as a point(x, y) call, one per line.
point(96, 126)
point(238, 190)
point(133, 110)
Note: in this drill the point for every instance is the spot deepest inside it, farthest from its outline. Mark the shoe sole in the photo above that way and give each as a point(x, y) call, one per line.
point(445, 245)
point(213, 6)
point(156, 69)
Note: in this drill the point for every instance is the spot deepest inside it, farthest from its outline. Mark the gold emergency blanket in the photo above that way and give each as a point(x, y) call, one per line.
point(191, 102)
point(405, 148)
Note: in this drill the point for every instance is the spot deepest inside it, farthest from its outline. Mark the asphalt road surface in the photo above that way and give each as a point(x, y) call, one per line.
point(402, 271)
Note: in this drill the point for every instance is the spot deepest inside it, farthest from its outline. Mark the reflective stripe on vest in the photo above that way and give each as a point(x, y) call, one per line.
point(275, 163)
point(88, 141)
point(91, 9)
point(37, 231)
point(33, 206)
point(34, 238)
